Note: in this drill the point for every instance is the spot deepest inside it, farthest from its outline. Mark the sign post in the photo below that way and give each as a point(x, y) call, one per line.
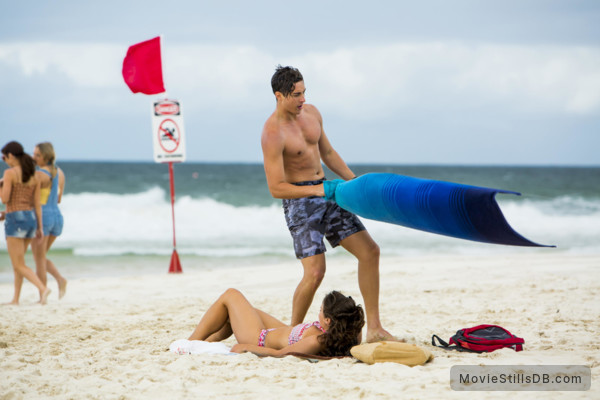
point(169, 147)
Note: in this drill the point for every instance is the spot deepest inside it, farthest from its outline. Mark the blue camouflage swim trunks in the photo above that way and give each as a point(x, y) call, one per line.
point(309, 219)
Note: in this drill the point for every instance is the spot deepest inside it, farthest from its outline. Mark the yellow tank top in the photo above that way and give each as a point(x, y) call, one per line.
point(44, 194)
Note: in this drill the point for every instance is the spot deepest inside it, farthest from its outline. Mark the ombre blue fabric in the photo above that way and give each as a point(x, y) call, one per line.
point(451, 209)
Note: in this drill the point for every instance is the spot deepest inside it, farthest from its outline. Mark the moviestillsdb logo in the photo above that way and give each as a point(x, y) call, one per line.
point(520, 377)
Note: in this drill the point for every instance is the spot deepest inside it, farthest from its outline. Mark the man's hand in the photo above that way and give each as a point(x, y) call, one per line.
point(329, 188)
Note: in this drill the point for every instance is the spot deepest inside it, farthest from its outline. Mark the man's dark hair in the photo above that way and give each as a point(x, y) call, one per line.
point(284, 79)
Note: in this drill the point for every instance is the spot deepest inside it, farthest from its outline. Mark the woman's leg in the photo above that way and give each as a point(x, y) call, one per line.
point(38, 248)
point(224, 333)
point(18, 286)
point(233, 308)
point(268, 320)
point(52, 270)
point(16, 250)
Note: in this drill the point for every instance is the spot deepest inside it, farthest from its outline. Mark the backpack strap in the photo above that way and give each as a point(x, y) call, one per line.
point(446, 346)
point(442, 343)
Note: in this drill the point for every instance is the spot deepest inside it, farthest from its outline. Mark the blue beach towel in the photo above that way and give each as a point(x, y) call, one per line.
point(451, 209)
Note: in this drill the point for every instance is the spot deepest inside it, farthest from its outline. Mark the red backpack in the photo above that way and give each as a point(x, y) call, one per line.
point(480, 339)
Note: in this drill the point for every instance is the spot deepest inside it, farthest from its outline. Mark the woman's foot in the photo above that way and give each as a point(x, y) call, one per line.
point(62, 288)
point(44, 296)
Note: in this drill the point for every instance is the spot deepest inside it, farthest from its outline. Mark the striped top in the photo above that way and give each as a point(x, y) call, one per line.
point(298, 331)
point(21, 198)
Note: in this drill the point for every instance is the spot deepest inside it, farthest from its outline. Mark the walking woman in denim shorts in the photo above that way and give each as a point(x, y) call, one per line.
point(52, 184)
point(20, 192)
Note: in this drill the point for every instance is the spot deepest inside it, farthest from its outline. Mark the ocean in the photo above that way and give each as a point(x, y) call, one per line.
point(118, 215)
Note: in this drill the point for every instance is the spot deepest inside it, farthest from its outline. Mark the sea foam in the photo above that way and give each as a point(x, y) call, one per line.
point(141, 223)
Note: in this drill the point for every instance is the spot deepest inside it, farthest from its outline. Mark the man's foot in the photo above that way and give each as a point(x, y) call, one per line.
point(382, 335)
point(62, 289)
point(44, 296)
point(12, 303)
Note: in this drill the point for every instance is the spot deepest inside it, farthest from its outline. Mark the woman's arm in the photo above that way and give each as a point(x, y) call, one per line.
point(37, 204)
point(309, 345)
point(61, 184)
point(7, 183)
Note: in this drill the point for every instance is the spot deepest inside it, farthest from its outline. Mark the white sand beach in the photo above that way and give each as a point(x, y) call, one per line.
point(109, 337)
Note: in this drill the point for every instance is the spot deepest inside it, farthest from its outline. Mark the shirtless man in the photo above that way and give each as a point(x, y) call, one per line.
point(294, 143)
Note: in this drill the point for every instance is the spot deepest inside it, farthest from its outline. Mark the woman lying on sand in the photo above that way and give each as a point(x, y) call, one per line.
point(338, 329)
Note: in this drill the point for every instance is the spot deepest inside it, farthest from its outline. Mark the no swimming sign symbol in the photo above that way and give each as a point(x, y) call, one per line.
point(167, 131)
point(169, 136)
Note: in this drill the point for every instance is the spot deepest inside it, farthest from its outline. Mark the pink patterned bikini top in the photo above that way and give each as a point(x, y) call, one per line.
point(298, 331)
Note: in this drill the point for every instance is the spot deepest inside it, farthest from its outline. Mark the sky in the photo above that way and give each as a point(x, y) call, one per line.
point(460, 82)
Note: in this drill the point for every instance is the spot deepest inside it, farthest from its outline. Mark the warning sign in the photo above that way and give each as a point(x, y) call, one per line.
point(167, 131)
point(169, 136)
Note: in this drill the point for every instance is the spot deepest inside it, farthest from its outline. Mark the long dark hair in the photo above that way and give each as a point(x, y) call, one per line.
point(25, 160)
point(347, 321)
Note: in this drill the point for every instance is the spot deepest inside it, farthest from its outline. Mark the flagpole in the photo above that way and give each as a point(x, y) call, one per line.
point(143, 73)
point(175, 265)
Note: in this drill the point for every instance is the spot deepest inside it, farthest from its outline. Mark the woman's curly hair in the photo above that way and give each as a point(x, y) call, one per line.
point(347, 321)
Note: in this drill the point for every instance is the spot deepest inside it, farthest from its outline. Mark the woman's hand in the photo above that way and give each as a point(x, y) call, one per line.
point(2, 215)
point(239, 348)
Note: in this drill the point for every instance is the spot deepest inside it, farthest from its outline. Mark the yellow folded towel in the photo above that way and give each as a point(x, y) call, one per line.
point(403, 353)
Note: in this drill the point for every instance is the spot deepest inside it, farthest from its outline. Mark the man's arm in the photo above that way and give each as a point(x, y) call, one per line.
point(330, 157)
point(272, 146)
point(333, 160)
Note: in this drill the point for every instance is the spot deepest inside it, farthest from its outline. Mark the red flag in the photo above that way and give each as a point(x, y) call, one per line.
point(142, 67)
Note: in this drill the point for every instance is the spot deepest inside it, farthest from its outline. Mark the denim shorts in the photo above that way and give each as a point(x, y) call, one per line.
point(310, 219)
point(20, 224)
point(52, 220)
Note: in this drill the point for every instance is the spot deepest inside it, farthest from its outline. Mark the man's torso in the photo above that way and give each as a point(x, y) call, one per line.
point(301, 157)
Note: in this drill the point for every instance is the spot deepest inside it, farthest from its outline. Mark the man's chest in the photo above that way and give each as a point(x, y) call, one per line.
point(302, 136)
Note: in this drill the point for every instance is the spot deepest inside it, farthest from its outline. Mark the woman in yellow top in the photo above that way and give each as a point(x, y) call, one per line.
point(52, 184)
point(23, 218)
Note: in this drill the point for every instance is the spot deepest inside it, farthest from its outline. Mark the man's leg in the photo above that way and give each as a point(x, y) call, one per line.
point(364, 248)
point(314, 271)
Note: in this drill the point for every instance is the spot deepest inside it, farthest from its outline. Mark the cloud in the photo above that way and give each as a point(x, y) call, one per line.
point(550, 78)
point(223, 75)
point(367, 81)
point(434, 75)
point(86, 65)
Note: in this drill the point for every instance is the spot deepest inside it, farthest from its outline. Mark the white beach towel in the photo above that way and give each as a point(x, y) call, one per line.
point(184, 346)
